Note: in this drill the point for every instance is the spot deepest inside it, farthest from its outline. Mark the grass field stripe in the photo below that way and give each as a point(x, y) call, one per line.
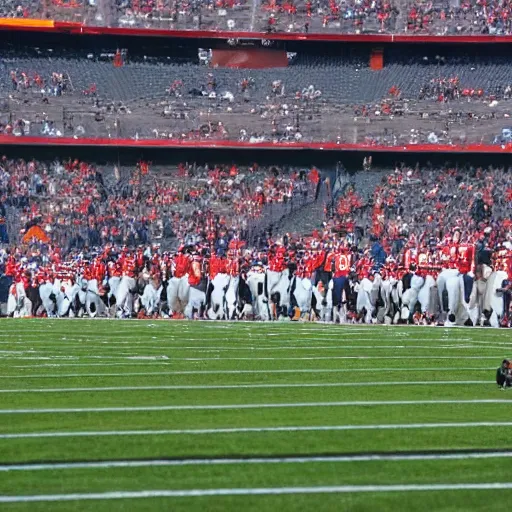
point(250, 386)
point(256, 430)
point(253, 460)
point(241, 372)
point(262, 491)
point(286, 405)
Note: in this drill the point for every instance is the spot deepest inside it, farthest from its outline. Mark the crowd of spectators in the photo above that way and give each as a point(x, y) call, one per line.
point(58, 92)
point(304, 16)
point(79, 204)
point(422, 206)
point(75, 208)
point(80, 208)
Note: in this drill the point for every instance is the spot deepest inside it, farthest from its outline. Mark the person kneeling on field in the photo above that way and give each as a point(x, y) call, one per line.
point(504, 375)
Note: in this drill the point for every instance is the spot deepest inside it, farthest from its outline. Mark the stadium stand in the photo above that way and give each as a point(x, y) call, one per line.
point(82, 221)
point(416, 98)
point(79, 204)
point(414, 17)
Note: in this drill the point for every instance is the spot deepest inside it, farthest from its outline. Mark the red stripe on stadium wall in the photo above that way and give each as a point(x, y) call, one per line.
point(10, 140)
point(79, 28)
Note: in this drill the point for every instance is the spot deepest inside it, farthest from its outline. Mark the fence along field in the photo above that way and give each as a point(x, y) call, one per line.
point(183, 416)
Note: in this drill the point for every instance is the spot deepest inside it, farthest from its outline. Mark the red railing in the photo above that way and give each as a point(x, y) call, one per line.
point(81, 29)
point(10, 140)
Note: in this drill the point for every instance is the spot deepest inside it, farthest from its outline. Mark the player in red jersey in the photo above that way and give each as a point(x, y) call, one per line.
point(129, 267)
point(410, 258)
point(195, 274)
point(181, 264)
point(364, 267)
point(464, 257)
point(324, 265)
point(217, 266)
point(342, 264)
point(276, 259)
point(233, 264)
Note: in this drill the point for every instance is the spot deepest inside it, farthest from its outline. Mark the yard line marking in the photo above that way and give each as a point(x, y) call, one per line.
point(169, 360)
point(50, 349)
point(60, 365)
point(249, 386)
point(253, 460)
point(172, 361)
point(89, 352)
point(241, 372)
point(211, 407)
point(255, 491)
point(265, 327)
point(255, 430)
point(167, 342)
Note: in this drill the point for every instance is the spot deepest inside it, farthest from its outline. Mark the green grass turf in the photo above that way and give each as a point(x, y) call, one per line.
point(38, 355)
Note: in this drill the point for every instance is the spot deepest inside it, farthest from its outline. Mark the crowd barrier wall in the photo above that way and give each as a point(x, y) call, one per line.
point(35, 25)
point(11, 140)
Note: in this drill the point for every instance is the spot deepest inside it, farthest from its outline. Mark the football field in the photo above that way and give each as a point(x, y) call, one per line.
point(172, 416)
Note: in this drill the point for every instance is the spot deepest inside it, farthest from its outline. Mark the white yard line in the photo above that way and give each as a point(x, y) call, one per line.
point(172, 362)
point(208, 348)
point(241, 372)
point(170, 359)
point(285, 405)
point(127, 352)
point(249, 386)
point(262, 491)
point(60, 365)
point(167, 340)
point(233, 346)
point(256, 430)
point(256, 329)
point(254, 460)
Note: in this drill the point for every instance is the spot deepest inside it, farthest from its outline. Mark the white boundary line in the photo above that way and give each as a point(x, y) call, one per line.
point(242, 372)
point(254, 460)
point(256, 430)
point(250, 386)
point(261, 491)
point(218, 407)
